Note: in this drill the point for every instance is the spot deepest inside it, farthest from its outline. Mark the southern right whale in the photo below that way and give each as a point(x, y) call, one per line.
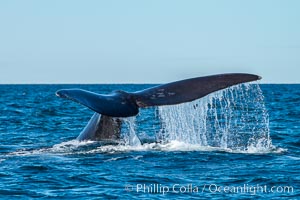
point(109, 109)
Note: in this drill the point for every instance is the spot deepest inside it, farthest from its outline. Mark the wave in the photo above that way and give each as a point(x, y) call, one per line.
point(75, 147)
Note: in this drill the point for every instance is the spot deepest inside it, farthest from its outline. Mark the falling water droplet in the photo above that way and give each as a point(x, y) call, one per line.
point(130, 138)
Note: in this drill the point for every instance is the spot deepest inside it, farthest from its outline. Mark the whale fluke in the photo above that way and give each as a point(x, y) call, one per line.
point(124, 104)
point(189, 89)
point(119, 104)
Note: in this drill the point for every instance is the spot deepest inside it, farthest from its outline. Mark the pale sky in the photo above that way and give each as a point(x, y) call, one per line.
point(147, 41)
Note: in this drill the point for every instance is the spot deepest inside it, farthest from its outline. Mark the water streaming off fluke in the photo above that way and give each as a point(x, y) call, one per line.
point(130, 138)
point(234, 118)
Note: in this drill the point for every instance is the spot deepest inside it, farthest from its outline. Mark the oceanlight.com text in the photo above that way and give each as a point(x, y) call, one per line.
point(208, 188)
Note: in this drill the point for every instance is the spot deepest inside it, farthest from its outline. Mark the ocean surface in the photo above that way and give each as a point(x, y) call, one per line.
point(240, 143)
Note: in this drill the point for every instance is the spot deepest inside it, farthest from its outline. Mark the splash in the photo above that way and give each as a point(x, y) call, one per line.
point(235, 118)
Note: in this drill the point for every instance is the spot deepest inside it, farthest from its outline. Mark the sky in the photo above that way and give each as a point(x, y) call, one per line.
point(147, 41)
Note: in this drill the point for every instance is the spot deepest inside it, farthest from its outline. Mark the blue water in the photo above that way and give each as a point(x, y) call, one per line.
point(236, 138)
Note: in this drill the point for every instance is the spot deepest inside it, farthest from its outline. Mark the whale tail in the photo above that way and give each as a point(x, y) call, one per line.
point(101, 127)
point(120, 104)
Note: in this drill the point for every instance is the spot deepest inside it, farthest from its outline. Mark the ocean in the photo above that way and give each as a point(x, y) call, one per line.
point(239, 143)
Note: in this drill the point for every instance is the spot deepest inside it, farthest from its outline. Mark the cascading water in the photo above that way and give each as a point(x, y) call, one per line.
point(130, 138)
point(234, 118)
